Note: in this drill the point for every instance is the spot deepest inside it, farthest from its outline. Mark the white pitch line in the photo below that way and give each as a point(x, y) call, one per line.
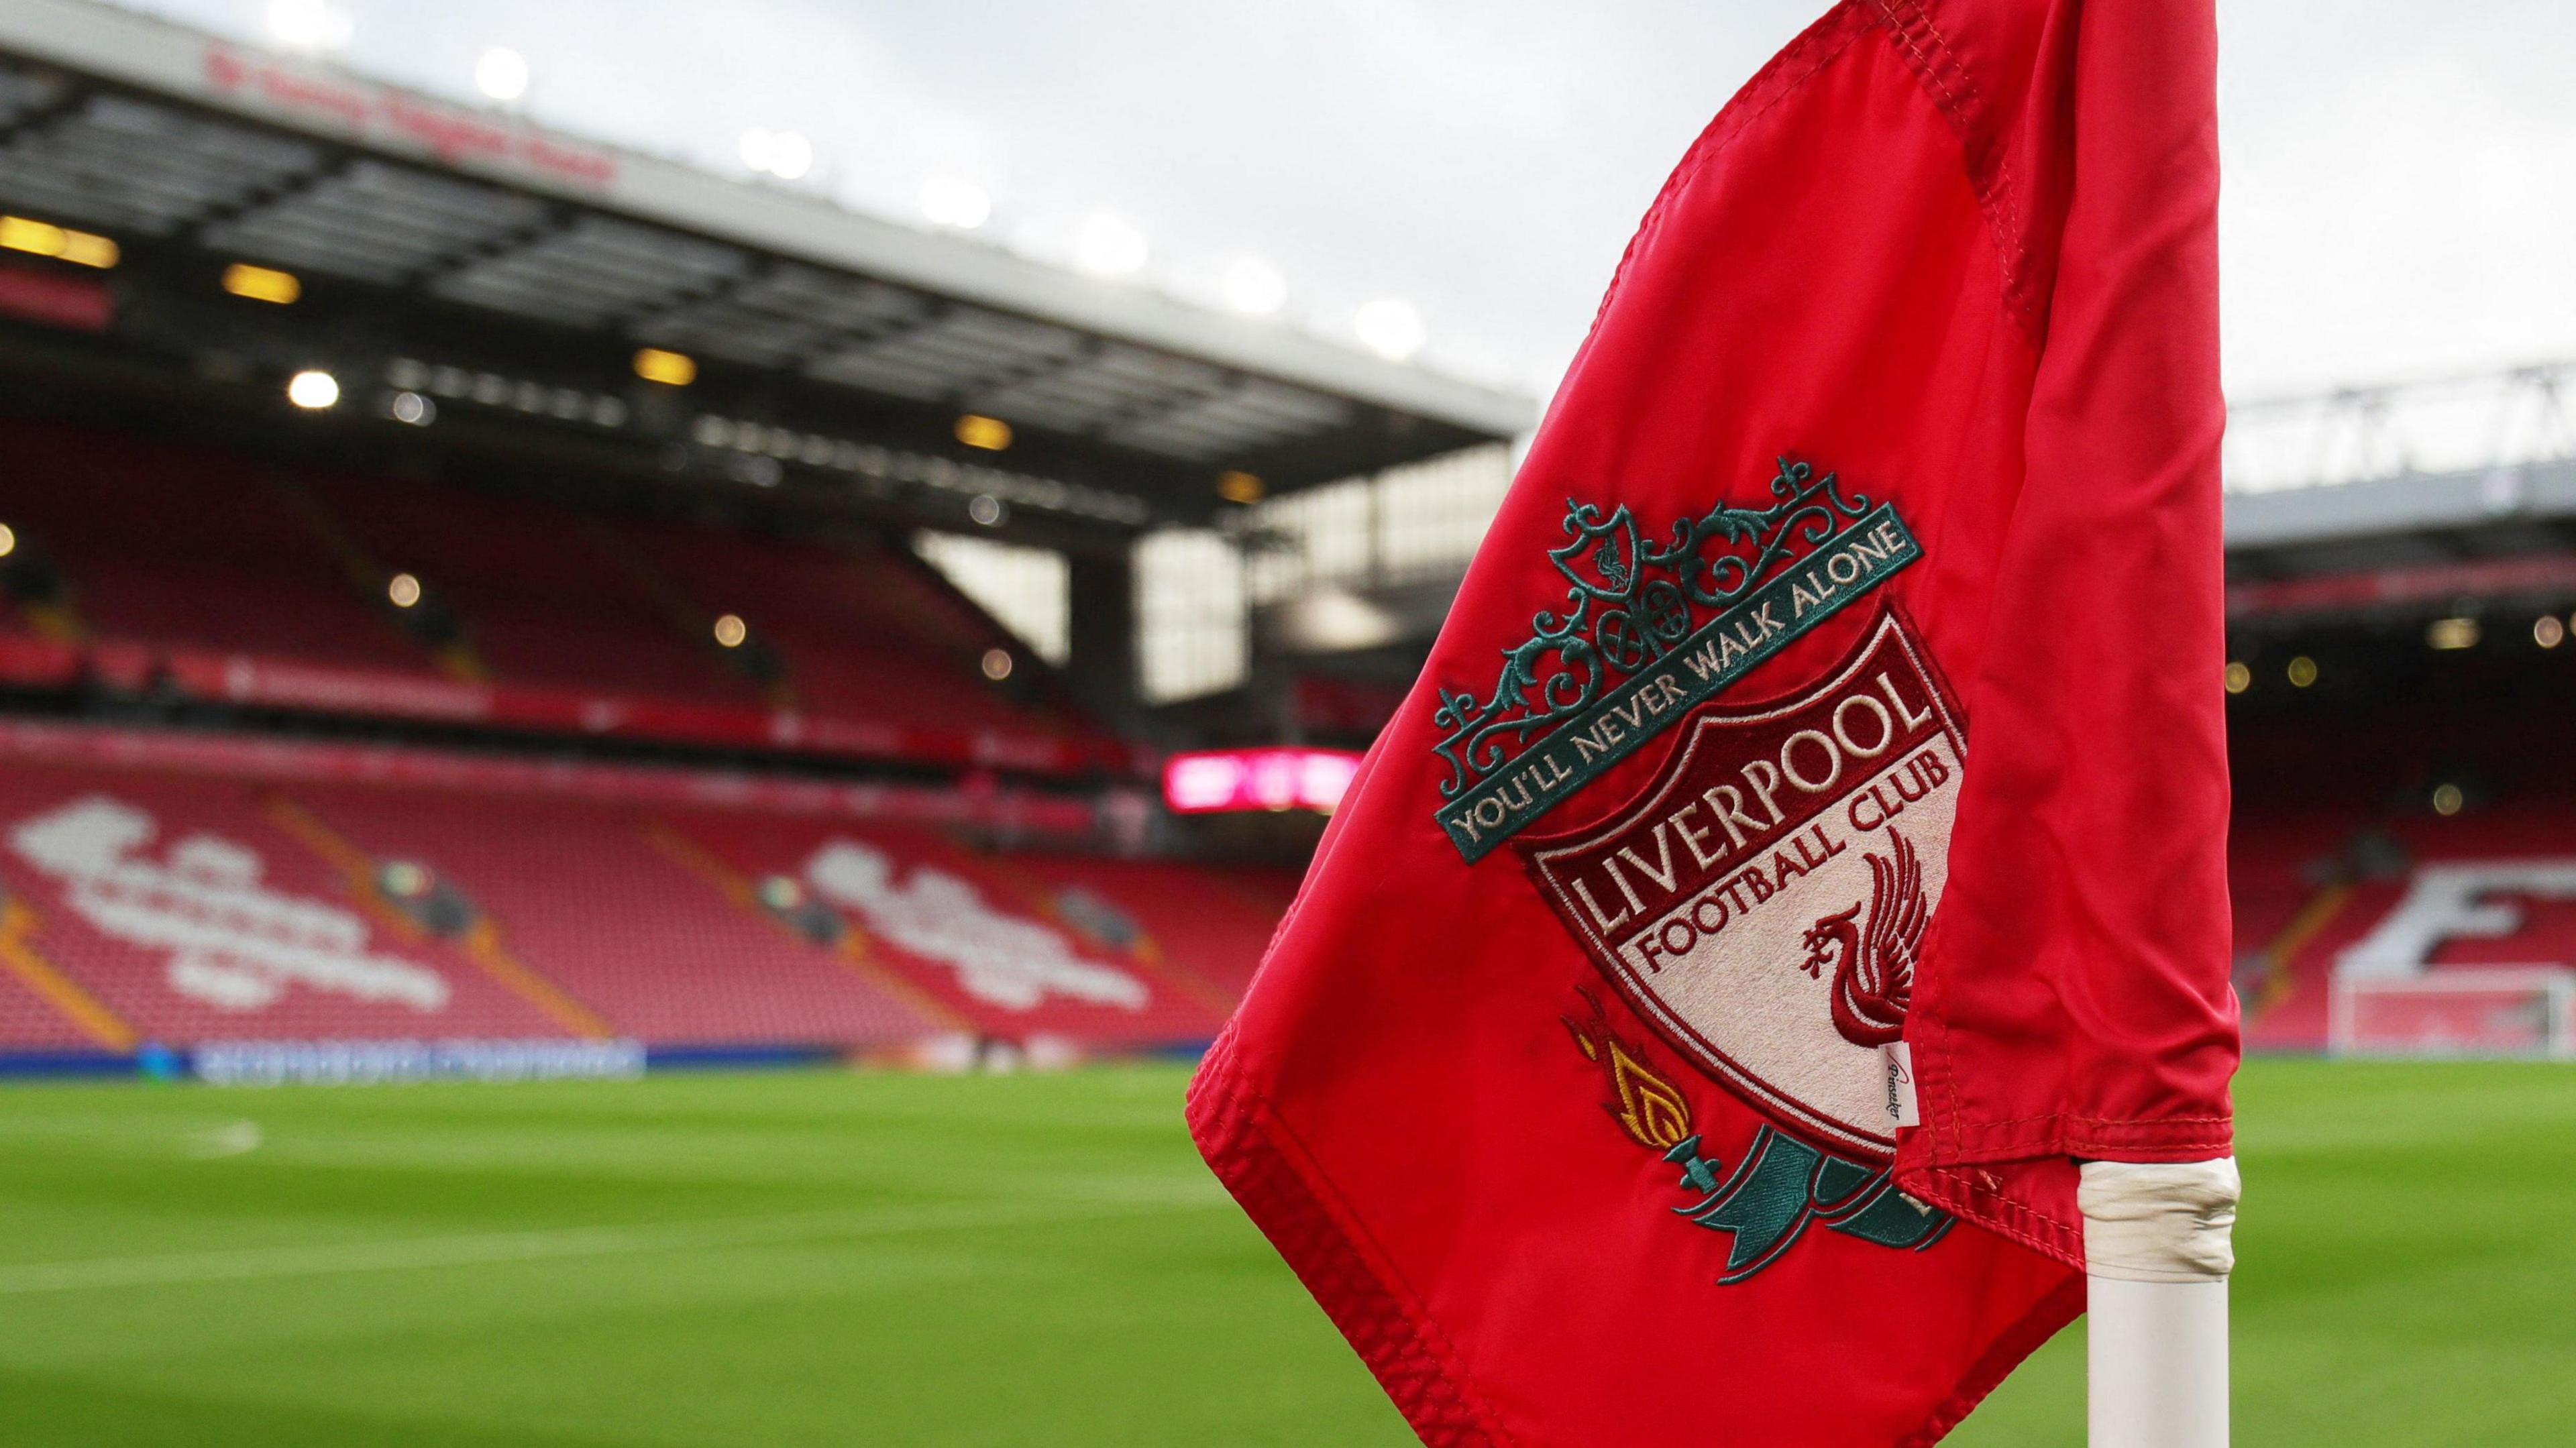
point(498, 1247)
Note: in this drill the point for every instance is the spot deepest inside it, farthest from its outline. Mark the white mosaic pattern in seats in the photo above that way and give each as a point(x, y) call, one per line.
point(1008, 960)
point(233, 942)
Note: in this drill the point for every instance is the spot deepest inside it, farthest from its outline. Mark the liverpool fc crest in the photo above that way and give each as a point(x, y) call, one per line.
point(1764, 903)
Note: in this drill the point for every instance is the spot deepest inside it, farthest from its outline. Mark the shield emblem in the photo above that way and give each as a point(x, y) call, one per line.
point(1763, 902)
point(1602, 561)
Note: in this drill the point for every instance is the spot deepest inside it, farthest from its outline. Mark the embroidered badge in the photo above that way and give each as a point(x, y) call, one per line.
point(1778, 1188)
point(1763, 904)
point(1651, 627)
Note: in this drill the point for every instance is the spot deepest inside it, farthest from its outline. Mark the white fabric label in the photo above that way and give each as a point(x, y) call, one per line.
point(1896, 1062)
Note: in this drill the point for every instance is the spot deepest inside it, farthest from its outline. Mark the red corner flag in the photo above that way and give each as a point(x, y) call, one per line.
point(1827, 740)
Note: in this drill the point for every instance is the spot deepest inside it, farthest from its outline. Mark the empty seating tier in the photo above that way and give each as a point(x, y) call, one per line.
point(149, 904)
point(156, 566)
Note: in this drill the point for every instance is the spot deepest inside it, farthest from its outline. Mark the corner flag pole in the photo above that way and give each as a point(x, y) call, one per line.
point(2157, 1255)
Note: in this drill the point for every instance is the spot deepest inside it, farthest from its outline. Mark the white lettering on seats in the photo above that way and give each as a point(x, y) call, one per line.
point(2448, 901)
point(1005, 959)
point(233, 942)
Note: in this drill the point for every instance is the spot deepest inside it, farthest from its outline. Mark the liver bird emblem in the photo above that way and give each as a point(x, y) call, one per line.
point(1873, 964)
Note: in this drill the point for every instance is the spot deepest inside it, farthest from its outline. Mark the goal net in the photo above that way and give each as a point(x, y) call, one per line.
point(2511, 1010)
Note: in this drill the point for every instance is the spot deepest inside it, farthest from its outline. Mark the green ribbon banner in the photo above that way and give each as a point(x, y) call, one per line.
point(1766, 620)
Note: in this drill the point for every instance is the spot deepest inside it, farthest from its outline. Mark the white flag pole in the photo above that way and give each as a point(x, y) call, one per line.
point(2157, 1254)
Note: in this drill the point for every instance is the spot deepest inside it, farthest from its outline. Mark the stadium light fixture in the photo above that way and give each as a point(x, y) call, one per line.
point(731, 631)
point(501, 74)
point(2447, 799)
point(1390, 327)
point(402, 591)
point(1255, 288)
point(671, 369)
point(307, 25)
point(997, 664)
point(978, 431)
point(2452, 633)
point(948, 201)
point(2239, 677)
point(412, 410)
point(783, 154)
point(262, 283)
point(2302, 672)
point(313, 389)
point(8, 540)
point(1237, 486)
point(2547, 631)
point(986, 510)
point(43, 238)
point(1108, 247)
point(790, 156)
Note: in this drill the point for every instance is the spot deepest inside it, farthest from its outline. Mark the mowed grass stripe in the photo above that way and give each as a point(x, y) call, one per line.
point(476, 1249)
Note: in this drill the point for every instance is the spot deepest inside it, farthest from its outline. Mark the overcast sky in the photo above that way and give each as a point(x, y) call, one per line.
point(2400, 187)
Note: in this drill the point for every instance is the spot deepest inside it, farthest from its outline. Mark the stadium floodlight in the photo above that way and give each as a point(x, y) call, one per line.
point(997, 664)
point(313, 389)
point(1109, 247)
point(2447, 799)
point(402, 590)
point(411, 409)
point(1255, 288)
point(988, 433)
point(262, 283)
point(986, 510)
point(8, 540)
point(790, 156)
point(731, 631)
point(2239, 677)
point(948, 201)
point(2459, 632)
point(783, 154)
point(501, 74)
point(2302, 672)
point(671, 369)
point(307, 24)
point(1390, 327)
point(43, 238)
point(2547, 631)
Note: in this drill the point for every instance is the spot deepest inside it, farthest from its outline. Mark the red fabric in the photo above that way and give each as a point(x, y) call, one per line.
point(1960, 253)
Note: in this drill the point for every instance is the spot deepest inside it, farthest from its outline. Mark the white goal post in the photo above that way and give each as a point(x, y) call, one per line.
point(2491, 1010)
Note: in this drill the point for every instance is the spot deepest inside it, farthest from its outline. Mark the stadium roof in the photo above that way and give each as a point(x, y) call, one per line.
point(2505, 509)
point(161, 136)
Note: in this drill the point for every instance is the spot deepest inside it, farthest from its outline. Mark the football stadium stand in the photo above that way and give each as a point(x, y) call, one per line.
point(568, 670)
point(2405, 878)
point(146, 564)
point(187, 905)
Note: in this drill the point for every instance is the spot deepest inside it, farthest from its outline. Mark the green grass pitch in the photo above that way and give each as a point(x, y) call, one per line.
point(852, 1258)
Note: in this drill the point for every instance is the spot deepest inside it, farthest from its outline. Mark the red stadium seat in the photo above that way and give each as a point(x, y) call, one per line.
point(261, 584)
point(189, 907)
point(185, 547)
